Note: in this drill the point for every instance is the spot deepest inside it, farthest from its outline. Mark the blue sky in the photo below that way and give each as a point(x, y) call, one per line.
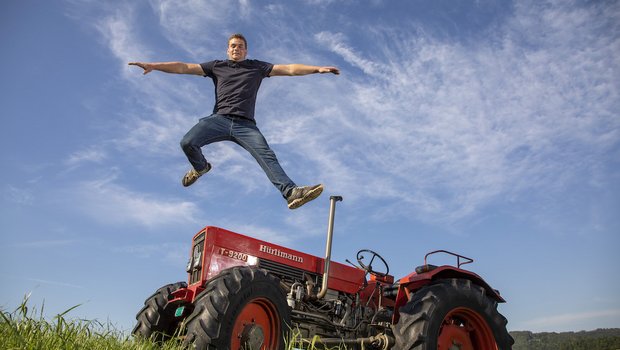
point(489, 128)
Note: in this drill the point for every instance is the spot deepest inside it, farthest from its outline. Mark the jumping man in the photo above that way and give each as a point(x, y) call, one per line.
point(236, 83)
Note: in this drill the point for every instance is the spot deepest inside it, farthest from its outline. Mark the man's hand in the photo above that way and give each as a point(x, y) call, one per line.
point(334, 70)
point(146, 66)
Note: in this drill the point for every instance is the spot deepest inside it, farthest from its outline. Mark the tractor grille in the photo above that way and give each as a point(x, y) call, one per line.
point(285, 272)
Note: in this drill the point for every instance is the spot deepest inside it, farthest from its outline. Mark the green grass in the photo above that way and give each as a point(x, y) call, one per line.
point(26, 329)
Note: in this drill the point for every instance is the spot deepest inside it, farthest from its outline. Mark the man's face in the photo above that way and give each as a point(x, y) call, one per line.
point(236, 50)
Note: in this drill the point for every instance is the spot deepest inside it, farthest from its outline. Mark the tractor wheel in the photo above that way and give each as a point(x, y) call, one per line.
point(451, 314)
point(153, 321)
point(241, 308)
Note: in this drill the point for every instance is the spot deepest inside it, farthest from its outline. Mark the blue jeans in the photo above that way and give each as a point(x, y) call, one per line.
point(218, 127)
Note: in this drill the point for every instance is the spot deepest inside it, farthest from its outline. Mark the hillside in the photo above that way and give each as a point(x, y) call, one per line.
point(600, 339)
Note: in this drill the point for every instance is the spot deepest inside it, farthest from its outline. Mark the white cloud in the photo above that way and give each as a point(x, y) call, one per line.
point(155, 133)
point(337, 43)
point(111, 203)
point(572, 320)
point(93, 154)
point(119, 33)
point(319, 2)
point(173, 253)
point(439, 129)
point(18, 195)
point(449, 127)
point(45, 243)
point(262, 233)
point(160, 107)
point(54, 283)
point(194, 25)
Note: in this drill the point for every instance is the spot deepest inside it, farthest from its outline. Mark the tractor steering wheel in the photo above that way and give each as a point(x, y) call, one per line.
point(368, 267)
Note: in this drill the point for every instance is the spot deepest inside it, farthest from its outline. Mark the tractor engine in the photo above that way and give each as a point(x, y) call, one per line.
point(336, 315)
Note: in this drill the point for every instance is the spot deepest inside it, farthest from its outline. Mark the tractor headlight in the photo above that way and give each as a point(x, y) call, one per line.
point(189, 266)
point(196, 260)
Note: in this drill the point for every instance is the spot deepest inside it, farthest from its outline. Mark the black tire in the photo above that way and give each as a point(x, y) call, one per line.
point(242, 307)
point(451, 312)
point(154, 322)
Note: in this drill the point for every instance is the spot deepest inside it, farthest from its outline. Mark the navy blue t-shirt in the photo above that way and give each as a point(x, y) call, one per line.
point(236, 84)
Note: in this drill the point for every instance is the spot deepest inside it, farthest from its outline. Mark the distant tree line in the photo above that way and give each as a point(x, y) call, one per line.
point(600, 339)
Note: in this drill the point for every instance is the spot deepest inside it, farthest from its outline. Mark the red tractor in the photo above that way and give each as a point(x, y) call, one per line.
point(244, 293)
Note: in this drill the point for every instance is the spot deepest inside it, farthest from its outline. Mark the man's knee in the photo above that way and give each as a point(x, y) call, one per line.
point(187, 143)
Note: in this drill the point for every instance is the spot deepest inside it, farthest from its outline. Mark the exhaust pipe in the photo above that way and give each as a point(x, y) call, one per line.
point(328, 246)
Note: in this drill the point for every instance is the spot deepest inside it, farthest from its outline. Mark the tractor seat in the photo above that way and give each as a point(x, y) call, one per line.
point(425, 268)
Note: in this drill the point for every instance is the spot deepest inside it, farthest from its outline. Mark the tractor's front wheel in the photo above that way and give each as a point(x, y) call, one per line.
point(241, 308)
point(451, 314)
point(154, 322)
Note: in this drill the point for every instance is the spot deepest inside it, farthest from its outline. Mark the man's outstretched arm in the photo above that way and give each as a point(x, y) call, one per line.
point(300, 69)
point(170, 67)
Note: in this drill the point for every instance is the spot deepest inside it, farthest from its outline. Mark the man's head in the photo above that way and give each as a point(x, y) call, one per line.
point(237, 47)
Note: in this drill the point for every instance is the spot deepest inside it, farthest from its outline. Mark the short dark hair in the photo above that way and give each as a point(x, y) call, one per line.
point(238, 36)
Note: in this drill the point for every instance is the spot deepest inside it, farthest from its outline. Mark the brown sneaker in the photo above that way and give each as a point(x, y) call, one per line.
point(192, 175)
point(302, 195)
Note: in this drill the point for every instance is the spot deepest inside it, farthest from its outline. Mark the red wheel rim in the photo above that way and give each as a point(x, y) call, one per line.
point(465, 329)
point(258, 313)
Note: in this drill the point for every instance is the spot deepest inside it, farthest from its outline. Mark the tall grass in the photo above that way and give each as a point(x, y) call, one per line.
point(27, 329)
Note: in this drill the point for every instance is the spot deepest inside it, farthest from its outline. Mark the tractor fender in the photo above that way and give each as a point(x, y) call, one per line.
point(429, 273)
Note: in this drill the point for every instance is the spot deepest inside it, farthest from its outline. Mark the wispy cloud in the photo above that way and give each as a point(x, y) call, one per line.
point(438, 129)
point(182, 21)
point(262, 233)
point(337, 43)
point(456, 126)
point(18, 195)
point(112, 203)
point(54, 283)
point(160, 108)
point(174, 253)
point(119, 34)
point(90, 155)
point(569, 320)
point(44, 243)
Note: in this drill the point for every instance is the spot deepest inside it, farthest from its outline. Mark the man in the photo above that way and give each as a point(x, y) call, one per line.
point(236, 83)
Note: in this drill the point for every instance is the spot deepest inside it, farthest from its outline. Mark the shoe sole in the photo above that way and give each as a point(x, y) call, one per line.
point(190, 182)
point(313, 194)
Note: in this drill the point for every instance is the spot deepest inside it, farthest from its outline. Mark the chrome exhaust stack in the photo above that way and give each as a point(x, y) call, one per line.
point(328, 245)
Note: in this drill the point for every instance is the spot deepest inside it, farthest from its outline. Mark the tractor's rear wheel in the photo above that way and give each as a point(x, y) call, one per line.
point(154, 322)
point(241, 308)
point(451, 314)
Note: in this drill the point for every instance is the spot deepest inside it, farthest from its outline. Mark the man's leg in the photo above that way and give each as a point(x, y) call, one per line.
point(208, 130)
point(248, 136)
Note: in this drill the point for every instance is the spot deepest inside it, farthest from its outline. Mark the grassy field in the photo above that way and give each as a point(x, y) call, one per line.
point(26, 329)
